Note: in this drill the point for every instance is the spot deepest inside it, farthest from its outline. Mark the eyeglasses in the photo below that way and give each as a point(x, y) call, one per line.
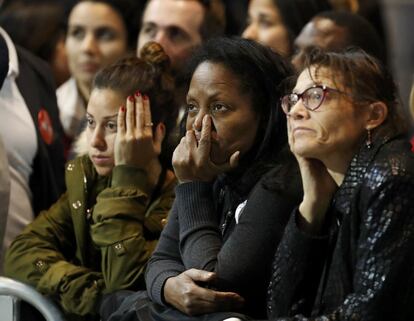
point(312, 98)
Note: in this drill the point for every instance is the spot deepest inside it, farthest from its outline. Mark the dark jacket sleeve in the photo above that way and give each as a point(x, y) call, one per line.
point(166, 259)
point(248, 251)
point(296, 270)
point(383, 280)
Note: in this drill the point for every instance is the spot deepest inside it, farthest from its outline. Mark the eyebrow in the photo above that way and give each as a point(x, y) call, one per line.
point(98, 27)
point(213, 95)
point(107, 117)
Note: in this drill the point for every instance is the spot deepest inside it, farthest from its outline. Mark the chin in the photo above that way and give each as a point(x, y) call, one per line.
point(103, 171)
point(304, 150)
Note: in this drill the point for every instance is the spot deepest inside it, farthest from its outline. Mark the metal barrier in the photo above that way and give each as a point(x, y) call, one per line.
point(20, 291)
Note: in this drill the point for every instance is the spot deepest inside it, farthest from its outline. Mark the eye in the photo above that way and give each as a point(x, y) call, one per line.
point(76, 32)
point(219, 107)
point(112, 126)
point(191, 108)
point(177, 35)
point(314, 94)
point(90, 122)
point(105, 34)
point(149, 30)
point(265, 24)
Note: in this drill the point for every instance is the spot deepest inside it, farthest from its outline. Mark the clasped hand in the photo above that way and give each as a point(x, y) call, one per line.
point(191, 159)
point(185, 293)
point(135, 143)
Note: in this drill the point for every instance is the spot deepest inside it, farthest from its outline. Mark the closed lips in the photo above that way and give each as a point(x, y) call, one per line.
point(298, 129)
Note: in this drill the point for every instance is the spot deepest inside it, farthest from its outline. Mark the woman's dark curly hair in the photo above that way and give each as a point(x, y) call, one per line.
point(258, 71)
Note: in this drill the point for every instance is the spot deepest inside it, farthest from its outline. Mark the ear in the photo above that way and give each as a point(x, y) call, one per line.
point(159, 136)
point(377, 113)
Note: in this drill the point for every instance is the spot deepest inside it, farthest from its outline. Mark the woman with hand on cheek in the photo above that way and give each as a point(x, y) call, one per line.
point(98, 237)
point(238, 184)
point(347, 252)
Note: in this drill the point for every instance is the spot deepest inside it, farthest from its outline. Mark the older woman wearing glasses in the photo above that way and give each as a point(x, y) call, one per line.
point(347, 251)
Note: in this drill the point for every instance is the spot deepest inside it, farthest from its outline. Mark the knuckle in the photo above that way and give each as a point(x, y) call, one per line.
point(128, 138)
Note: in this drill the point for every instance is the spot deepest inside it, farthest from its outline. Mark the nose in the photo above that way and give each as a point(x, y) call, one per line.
point(98, 139)
point(198, 120)
point(162, 38)
point(250, 32)
point(89, 43)
point(298, 111)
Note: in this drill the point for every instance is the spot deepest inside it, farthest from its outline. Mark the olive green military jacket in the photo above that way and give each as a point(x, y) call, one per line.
point(95, 239)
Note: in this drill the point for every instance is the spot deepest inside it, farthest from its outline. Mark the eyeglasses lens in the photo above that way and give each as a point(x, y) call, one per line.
point(313, 97)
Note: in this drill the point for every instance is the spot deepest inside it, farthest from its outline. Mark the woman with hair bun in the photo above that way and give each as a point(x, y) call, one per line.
point(98, 236)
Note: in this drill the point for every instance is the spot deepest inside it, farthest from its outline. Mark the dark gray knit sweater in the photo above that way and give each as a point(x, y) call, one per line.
point(202, 233)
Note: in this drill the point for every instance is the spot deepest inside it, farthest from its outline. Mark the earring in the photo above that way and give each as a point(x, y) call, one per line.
point(368, 142)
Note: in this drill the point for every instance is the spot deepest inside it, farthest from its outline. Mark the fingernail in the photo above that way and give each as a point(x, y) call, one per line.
point(131, 98)
point(145, 97)
point(122, 108)
point(137, 93)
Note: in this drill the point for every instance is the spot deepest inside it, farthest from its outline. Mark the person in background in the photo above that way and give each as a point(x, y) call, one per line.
point(238, 185)
point(180, 26)
point(336, 31)
point(32, 136)
point(98, 236)
point(276, 23)
point(99, 33)
point(346, 253)
point(47, 24)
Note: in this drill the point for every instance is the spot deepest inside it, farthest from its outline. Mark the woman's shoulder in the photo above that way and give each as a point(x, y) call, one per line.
point(393, 159)
point(390, 172)
point(79, 169)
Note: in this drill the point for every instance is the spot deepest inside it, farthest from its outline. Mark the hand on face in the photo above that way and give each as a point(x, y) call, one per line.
point(186, 295)
point(135, 143)
point(191, 159)
point(318, 189)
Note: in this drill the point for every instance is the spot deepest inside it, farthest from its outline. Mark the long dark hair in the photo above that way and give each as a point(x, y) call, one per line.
point(149, 74)
point(259, 72)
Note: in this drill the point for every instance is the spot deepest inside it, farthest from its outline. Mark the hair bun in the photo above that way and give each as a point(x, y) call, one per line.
point(153, 53)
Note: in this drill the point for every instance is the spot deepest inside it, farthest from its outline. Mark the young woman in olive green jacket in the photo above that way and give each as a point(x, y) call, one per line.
point(98, 236)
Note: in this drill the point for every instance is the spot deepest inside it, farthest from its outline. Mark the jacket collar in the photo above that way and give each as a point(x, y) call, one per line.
point(357, 169)
point(13, 61)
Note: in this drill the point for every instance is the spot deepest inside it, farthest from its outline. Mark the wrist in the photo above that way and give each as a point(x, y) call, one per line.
point(312, 216)
point(169, 284)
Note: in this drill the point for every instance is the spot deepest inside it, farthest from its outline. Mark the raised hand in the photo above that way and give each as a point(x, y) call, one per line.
point(186, 295)
point(318, 190)
point(191, 160)
point(135, 143)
